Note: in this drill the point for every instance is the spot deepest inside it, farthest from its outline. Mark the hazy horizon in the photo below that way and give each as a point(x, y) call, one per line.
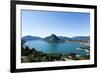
point(45, 23)
point(56, 35)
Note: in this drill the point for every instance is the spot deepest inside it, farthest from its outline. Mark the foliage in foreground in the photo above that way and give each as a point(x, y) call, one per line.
point(31, 55)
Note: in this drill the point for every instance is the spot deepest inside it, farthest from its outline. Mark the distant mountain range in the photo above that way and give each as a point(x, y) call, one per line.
point(81, 38)
point(55, 39)
point(29, 38)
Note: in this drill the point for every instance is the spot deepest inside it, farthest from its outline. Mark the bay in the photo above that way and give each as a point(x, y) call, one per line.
point(62, 48)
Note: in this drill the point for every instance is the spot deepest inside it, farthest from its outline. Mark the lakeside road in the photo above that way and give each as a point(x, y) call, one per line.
point(86, 43)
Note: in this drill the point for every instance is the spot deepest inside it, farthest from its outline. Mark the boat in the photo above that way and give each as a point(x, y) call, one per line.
point(78, 48)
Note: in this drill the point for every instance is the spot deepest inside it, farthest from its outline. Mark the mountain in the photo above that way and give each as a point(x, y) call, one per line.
point(53, 39)
point(28, 38)
point(81, 38)
point(64, 38)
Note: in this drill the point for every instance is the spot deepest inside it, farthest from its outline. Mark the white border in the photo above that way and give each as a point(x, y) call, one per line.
point(20, 65)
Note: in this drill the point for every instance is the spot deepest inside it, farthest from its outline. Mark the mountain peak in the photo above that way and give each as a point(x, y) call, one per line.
point(53, 38)
point(53, 35)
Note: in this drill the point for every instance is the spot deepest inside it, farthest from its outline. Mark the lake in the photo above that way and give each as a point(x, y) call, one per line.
point(63, 48)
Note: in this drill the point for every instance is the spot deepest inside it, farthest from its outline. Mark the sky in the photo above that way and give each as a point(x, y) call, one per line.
point(45, 23)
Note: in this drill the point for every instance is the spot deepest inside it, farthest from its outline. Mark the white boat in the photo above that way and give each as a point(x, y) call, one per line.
point(86, 50)
point(78, 48)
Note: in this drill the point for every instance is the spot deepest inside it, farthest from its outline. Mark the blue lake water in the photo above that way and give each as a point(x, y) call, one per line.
point(63, 48)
